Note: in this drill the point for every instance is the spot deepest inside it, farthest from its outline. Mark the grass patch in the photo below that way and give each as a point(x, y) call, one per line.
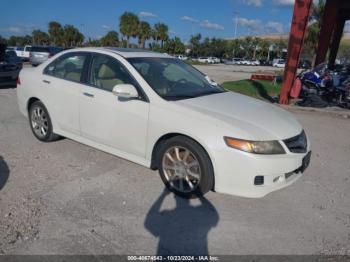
point(259, 89)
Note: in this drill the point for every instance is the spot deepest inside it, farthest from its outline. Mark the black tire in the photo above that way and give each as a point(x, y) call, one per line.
point(207, 174)
point(49, 136)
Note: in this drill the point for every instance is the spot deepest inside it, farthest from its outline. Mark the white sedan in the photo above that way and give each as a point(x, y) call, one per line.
point(162, 113)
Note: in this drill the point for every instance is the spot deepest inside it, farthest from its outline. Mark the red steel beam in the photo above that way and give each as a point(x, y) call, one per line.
point(328, 23)
point(337, 34)
point(296, 38)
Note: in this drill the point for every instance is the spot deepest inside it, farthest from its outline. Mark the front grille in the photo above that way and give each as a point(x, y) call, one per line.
point(297, 144)
point(259, 180)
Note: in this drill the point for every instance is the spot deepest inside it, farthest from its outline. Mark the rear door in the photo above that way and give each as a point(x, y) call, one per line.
point(63, 79)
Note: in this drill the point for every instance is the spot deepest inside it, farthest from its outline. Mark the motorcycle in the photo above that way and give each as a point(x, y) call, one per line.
point(322, 86)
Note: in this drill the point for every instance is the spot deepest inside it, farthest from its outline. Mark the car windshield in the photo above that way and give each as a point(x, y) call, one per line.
point(173, 79)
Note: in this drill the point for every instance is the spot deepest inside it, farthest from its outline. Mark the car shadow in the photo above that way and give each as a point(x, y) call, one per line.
point(262, 92)
point(4, 172)
point(184, 229)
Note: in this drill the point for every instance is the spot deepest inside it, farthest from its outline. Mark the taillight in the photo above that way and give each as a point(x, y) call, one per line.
point(18, 81)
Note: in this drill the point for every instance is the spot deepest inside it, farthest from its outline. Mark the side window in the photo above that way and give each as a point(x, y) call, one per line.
point(106, 72)
point(67, 67)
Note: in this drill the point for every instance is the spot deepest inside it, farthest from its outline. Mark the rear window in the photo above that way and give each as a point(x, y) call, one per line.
point(40, 49)
point(19, 48)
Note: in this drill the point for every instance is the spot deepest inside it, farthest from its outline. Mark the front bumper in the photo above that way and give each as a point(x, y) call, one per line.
point(240, 173)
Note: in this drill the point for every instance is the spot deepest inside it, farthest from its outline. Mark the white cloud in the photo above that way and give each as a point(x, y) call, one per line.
point(14, 29)
point(205, 23)
point(254, 25)
point(147, 14)
point(256, 3)
point(107, 27)
point(274, 27)
point(209, 25)
point(189, 19)
point(284, 2)
point(19, 29)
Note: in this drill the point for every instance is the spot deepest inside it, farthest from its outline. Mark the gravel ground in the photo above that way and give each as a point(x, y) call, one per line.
point(67, 198)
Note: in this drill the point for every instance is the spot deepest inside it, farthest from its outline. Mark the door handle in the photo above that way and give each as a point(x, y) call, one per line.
point(88, 94)
point(46, 81)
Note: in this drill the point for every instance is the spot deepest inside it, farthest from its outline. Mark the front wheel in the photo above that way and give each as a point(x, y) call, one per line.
point(185, 167)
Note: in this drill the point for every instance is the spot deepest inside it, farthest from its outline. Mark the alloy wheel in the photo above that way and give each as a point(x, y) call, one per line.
point(181, 169)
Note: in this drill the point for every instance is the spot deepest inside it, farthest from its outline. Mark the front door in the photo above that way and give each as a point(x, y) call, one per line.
point(121, 124)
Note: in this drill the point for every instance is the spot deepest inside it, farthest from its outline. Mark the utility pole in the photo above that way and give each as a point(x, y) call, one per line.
point(236, 15)
point(82, 31)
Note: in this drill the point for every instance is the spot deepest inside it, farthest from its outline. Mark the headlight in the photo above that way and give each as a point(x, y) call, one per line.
point(256, 147)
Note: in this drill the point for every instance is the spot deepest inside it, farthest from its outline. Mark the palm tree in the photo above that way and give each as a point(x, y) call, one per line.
point(72, 36)
point(195, 43)
point(144, 33)
point(129, 25)
point(55, 32)
point(256, 42)
point(161, 33)
point(110, 39)
point(313, 30)
point(264, 49)
point(40, 37)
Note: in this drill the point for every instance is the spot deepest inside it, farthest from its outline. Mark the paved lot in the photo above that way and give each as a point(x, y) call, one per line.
point(67, 198)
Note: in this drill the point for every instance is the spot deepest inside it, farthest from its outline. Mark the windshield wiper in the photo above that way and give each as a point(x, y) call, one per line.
point(178, 97)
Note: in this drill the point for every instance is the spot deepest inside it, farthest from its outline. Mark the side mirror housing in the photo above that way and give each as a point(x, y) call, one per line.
point(125, 91)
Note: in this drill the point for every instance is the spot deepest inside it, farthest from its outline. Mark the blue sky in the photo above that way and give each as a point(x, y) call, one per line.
point(212, 18)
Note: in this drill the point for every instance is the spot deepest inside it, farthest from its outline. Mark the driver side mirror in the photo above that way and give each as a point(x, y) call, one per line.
point(126, 91)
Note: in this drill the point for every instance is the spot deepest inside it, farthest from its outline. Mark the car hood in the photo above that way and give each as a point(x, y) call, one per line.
point(246, 117)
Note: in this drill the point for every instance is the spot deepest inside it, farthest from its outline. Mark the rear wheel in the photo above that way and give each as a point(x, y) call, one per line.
point(185, 167)
point(40, 122)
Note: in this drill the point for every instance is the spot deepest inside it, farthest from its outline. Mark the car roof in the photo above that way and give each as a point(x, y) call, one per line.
point(124, 52)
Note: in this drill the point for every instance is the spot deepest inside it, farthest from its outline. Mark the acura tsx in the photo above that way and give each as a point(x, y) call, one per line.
point(162, 113)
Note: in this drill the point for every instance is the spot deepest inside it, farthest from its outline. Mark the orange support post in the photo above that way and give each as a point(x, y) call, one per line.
point(296, 39)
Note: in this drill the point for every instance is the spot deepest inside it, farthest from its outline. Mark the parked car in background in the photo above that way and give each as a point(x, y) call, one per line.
point(8, 69)
point(40, 54)
point(210, 60)
point(22, 52)
point(280, 63)
point(236, 61)
point(245, 62)
point(202, 59)
point(264, 62)
point(214, 60)
point(125, 102)
point(12, 58)
point(254, 62)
